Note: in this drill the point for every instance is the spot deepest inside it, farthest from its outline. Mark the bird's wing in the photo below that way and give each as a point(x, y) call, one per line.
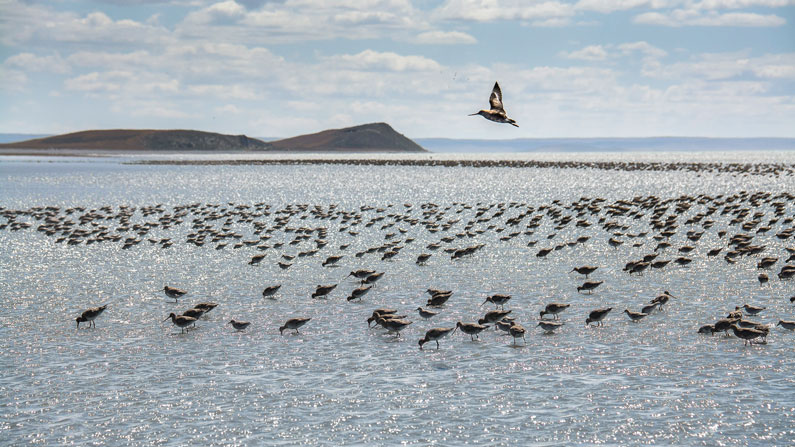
point(495, 100)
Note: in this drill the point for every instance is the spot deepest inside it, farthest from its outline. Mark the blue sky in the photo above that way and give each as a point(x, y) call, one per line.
point(585, 68)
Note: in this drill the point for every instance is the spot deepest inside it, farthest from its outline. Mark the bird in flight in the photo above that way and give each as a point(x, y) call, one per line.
point(497, 112)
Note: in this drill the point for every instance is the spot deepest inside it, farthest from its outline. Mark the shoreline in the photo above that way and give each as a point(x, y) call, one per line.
point(732, 168)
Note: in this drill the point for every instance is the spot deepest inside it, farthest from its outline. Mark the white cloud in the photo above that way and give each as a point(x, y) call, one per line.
point(693, 17)
point(589, 53)
point(13, 80)
point(226, 12)
point(489, 11)
point(30, 62)
point(231, 91)
point(643, 47)
point(115, 83)
point(555, 22)
point(737, 4)
point(374, 60)
point(608, 6)
point(725, 66)
point(445, 38)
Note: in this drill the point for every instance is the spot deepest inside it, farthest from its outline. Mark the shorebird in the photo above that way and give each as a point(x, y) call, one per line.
point(635, 316)
point(661, 299)
point(598, 315)
point(517, 331)
point(426, 313)
point(382, 312)
point(707, 329)
point(786, 324)
point(649, 308)
point(206, 307)
point(504, 325)
point(497, 112)
point(173, 292)
point(361, 274)
point(372, 278)
point(293, 323)
point(359, 292)
point(493, 316)
point(180, 321)
point(724, 324)
point(239, 325)
point(284, 265)
point(585, 270)
point(438, 292)
point(393, 325)
point(498, 300)
point(193, 313)
point(747, 334)
point(589, 286)
point(423, 258)
point(256, 259)
point(554, 309)
point(89, 315)
point(751, 310)
point(322, 291)
point(271, 290)
point(550, 326)
point(471, 329)
point(331, 260)
point(436, 334)
point(439, 299)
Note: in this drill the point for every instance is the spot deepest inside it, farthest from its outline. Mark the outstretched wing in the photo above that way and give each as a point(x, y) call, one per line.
point(495, 100)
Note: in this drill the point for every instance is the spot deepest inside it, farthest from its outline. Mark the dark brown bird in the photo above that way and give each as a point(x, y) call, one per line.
point(239, 325)
point(181, 321)
point(747, 334)
point(517, 331)
point(497, 111)
point(498, 300)
point(206, 307)
point(359, 292)
point(439, 299)
point(294, 323)
point(436, 334)
point(322, 291)
point(589, 285)
point(554, 309)
point(271, 291)
point(173, 292)
point(89, 315)
point(471, 329)
point(585, 270)
point(598, 315)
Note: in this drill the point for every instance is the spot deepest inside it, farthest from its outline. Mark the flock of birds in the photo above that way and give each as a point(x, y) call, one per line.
point(666, 228)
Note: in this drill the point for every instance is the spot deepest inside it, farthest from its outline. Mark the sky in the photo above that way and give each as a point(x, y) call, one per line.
point(584, 68)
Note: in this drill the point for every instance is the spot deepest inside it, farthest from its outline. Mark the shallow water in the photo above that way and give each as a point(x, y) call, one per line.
point(136, 380)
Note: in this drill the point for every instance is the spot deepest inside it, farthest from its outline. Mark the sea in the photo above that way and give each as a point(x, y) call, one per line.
point(136, 379)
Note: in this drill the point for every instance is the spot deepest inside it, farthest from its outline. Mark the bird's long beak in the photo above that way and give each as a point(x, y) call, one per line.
point(167, 318)
point(485, 302)
point(472, 114)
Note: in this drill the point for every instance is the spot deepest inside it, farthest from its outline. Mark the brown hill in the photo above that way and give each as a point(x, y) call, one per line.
point(374, 137)
point(144, 140)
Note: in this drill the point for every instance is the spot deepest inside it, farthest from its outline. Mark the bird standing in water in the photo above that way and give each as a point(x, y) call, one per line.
point(497, 112)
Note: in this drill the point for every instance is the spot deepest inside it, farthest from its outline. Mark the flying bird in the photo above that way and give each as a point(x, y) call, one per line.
point(497, 112)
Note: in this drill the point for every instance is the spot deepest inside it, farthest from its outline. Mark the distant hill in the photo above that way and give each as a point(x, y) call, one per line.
point(374, 137)
point(144, 140)
point(647, 144)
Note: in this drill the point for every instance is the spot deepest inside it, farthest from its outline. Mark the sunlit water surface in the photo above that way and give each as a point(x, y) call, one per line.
point(136, 380)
